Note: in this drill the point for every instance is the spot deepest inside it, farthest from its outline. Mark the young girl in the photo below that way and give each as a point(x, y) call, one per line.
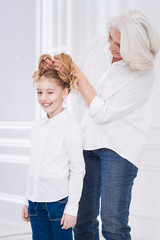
point(56, 170)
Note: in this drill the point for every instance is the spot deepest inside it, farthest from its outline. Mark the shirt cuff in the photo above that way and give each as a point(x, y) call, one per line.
point(71, 210)
point(95, 105)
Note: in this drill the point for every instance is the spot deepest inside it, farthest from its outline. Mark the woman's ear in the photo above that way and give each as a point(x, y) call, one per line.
point(65, 93)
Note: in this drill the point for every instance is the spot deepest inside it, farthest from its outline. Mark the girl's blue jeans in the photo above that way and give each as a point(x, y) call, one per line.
point(109, 177)
point(45, 221)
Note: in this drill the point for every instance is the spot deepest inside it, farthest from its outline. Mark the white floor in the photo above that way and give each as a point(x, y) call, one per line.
point(10, 230)
point(14, 231)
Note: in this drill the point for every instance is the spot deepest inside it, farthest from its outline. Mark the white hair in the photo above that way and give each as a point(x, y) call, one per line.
point(139, 43)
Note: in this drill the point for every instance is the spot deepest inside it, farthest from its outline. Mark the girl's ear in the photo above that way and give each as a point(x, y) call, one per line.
point(65, 93)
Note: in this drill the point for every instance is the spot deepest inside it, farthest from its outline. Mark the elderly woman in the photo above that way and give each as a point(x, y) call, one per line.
point(114, 108)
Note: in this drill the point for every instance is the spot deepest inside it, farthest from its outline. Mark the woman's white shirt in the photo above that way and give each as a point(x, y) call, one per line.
point(56, 167)
point(119, 117)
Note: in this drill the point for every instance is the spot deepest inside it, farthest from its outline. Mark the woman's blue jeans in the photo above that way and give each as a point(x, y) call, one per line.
point(45, 221)
point(109, 177)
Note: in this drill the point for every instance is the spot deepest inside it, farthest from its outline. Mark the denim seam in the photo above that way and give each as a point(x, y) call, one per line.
point(36, 208)
point(131, 178)
point(52, 220)
point(48, 214)
point(47, 210)
point(36, 212)
point(94, 205)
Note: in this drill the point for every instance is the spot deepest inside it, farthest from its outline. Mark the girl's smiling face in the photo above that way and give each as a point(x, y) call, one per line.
point(50, 96)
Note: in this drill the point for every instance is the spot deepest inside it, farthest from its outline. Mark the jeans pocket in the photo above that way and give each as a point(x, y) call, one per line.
point(32, 208)
point(56, 209)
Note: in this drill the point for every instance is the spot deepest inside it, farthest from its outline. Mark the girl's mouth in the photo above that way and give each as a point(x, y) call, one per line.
point(46, 104)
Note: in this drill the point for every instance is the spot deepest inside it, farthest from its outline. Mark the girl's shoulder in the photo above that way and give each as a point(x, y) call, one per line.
point(72, 123)
point(73, 133)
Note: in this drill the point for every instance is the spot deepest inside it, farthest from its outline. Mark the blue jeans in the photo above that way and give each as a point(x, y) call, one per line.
point(110, 177)
point(45, 221)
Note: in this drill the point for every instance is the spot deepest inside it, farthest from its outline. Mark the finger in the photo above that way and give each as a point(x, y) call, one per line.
point(75, 222)
point(69, 225)
point(26, 214)
point(62, 220)
point(23, 214)
point(48, 62)
point(72, 224)
point(56, 68)
point(57, 63)
point(64, 225)
point(47, 66)
point(25, 219)
point(28, 219)
point(57, 60)
point(56, 56)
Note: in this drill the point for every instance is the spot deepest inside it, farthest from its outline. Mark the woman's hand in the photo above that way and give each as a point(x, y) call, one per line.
point(25, 214)
point(58, 65)
point(68, 221)
point(54, 64)
point(48, 64)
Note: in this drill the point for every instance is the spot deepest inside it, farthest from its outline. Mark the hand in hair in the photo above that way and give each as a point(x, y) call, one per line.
point(54, 64)
point(62, 64)
point(48, 64)
point(58, 66)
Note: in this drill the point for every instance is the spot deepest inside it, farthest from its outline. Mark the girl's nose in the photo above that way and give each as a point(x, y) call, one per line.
point(44, 97)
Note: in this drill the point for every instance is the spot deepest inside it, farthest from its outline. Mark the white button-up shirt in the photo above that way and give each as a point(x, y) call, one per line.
point(119, 117)
point(56, 167)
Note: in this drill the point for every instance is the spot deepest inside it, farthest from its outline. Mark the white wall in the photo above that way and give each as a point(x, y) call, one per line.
point(17, 51)
point(29, 28)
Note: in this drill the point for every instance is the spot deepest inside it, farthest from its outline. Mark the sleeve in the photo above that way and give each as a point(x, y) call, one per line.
point(124, 101)
point(73, 142)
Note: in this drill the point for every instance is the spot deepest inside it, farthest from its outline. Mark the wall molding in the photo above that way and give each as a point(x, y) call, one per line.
point(14, 159)
point(11, 198)
point(15, 142)
point(145, 216)
point(149, 167)
point(16, 125)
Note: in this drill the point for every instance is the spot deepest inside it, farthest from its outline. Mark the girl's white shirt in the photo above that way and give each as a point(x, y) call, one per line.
point(119, 117)
point(56, 167)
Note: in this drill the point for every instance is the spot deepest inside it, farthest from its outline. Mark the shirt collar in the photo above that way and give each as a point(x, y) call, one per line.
point(109, 57)
point(56, 119)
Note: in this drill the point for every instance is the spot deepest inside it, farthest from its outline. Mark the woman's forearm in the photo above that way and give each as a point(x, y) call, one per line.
point(86, 90)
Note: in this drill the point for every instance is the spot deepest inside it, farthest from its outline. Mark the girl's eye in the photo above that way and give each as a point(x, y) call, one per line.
point(39, 93)
point(50, 92)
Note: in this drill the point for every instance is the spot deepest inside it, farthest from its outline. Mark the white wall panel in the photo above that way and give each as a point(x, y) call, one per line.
point(18, 52)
